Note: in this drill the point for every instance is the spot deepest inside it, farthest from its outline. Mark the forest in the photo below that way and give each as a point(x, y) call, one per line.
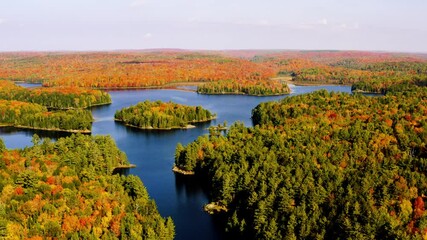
point(315, 166)
point(162, 115)
point(66, 190)
point(127, 70)
point(320, 166)
point(366, 71)
point(244, 72)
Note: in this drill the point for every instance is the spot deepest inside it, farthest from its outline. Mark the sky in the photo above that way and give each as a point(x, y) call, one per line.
point(93, 25)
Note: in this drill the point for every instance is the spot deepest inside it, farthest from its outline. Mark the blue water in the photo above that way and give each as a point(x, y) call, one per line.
point(29, 85)
point(152, 151)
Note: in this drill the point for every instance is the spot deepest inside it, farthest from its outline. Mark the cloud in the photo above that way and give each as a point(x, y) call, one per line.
point(148, 35)
point(138, 3)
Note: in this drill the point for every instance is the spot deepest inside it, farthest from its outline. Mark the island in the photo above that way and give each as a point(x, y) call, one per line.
point(67, 190)
point(162, 115)
point(253, 88)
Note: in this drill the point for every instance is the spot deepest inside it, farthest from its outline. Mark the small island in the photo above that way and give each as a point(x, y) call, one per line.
point(162, 115)
point(253, 88)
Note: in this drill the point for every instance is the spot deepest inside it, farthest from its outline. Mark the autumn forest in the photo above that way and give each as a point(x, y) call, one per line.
point(322, 165)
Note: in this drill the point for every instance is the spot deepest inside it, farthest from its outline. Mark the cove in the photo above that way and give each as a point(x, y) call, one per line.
point(181, 197)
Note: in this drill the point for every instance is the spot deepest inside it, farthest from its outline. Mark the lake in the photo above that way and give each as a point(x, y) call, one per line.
point(180, 197)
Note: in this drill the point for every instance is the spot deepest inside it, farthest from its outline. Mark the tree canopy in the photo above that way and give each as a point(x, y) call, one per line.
point(66, 190)
point(321, 166)
point(247, 72)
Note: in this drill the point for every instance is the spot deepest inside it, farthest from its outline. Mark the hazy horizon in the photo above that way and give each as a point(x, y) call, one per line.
point(208, 50)
point(110, 25)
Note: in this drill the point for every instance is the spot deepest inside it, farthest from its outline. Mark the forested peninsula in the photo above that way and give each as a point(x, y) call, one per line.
point(162, 115)
point(320, 166)
point(66, 190)
point(34, 116)
point(51, 109)
point(54, 97)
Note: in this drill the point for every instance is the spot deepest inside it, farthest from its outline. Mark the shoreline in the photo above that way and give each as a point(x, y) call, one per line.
point(182, 172)
point(175, 86)
point(289, 80)
point(76, 108)
point(171, 85)
point(307, 84)
point(366, 92)
point(46, 129)
point(125, 166)
point(188, 126)
point(214, 207)
point(241, 93)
